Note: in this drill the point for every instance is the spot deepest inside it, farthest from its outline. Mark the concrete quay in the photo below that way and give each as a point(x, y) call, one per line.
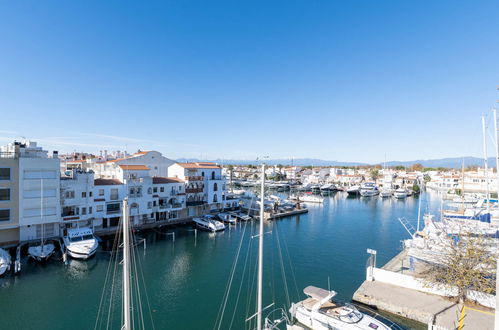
point(434, 311)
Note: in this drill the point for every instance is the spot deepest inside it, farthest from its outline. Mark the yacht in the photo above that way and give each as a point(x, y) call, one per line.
point(80, 243)
point(328, 187)
point(353, 190)
point(369, 189)
point(208, 222)
point(227, 217)
point(4, 261)
point(400, 193)
point(320, 312)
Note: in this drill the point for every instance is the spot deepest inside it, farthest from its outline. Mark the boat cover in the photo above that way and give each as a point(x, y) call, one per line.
point(318, 293)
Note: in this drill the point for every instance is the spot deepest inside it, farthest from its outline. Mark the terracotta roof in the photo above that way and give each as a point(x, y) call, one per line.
point(159, 180)
point(114, 160)
point(107, 182)
point(76, 161)
point(141, 153)
point(134, 167)
point(199, 165)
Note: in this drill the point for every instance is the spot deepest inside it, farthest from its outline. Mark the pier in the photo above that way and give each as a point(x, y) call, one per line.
point(436, 311)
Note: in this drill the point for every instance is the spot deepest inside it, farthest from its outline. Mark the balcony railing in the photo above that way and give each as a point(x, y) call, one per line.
point(194, 178)
point(193, 190)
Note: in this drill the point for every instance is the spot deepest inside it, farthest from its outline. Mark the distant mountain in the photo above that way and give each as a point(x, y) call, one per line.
point(442, 162)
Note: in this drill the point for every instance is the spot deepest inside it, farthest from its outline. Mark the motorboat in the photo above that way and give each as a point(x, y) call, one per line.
point(80, 243)
point(309, 198)
point(369, 189)
point(41, 252)
point(5, 261)
point(400, 193)
point(385, 192)
point(328, 187)
point(242, 216)
point(227, 217)
point(353, 190)
point(320, 312)
point(208, 223)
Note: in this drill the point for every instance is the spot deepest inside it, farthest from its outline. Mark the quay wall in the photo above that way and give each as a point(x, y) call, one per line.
point(413, 283)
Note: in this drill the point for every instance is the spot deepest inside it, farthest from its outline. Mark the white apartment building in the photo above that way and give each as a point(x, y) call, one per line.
point(204, 183)
point(38, 188)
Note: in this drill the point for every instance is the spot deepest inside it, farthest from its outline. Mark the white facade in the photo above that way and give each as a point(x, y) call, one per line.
point(39, 192)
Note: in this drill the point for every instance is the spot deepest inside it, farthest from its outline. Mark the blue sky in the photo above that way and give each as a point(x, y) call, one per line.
point(336, 80)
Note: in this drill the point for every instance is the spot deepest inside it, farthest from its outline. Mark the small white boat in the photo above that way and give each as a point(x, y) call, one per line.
point(400, 193)
point(5, 261)
point(227, 217)
point(41, 252)
point(308, 198)
point(81, 243)
point(208, 222)
point(353, 190)
point(384, 193)
point(369, 189)
point(242, 216)
point(320, 312)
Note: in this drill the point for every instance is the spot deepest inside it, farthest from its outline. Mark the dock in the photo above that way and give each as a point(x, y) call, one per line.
point(434, 311)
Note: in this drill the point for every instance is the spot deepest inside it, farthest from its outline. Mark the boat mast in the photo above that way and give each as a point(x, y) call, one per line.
point(260, 254)
point(41, 213)
point(419, 208)
point(126, 268)
point(497, 149)
point(486, 164)
point(462, 184)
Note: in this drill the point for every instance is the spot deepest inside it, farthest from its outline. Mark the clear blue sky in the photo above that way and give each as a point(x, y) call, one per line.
point(336, 80)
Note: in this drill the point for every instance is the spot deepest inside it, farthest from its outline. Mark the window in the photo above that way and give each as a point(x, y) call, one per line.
point(83, 210)
point(149, 190)
point(90, 210)
point(202, 174)
point(149, 205)
point(69, 194)
point(162, 189)
point(132, 191)
point(113, 208)
point(4, 173)
point(213, 175)
point(215, 187)
point(114, 194)
point(101, 192)
point(155, 189)
point(4, 194)
point(154, 203)
point(83, 194)
point(5, 215)
point(89, 194)
point(100, 208)
point(215, 198)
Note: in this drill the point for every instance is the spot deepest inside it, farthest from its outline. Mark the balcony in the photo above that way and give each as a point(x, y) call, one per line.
point(194, 178)
point(193, 190)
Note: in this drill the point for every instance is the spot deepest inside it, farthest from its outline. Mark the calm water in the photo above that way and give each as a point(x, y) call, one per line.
point(186, 279)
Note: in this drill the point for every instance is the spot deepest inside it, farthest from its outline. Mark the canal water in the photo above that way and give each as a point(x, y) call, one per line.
point(186, 275)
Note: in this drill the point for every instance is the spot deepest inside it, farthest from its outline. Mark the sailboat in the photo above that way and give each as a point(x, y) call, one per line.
point(43, 251)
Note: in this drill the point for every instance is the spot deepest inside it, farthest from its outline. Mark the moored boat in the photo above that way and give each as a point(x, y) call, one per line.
point(369, 189)
point(80, 243)
point(353, 190)
point(227, 217)
point(400, 193)
point(320, 312)
point(208, 223)
point(5, 261)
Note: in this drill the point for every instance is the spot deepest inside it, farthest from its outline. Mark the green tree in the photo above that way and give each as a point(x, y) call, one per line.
point(466, 262)
point(374, 173)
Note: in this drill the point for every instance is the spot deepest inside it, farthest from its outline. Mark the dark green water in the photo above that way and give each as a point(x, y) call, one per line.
point(186, 279)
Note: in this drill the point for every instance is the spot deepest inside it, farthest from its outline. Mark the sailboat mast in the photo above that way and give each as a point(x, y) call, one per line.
point(41, 213)
point(462, 184)
point(126, 268)
point(486, 164)
point(419, 208)
point(260, 255)
point(497, 150)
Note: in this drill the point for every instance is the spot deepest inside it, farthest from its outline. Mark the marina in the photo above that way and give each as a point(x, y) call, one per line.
point(193, 269)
